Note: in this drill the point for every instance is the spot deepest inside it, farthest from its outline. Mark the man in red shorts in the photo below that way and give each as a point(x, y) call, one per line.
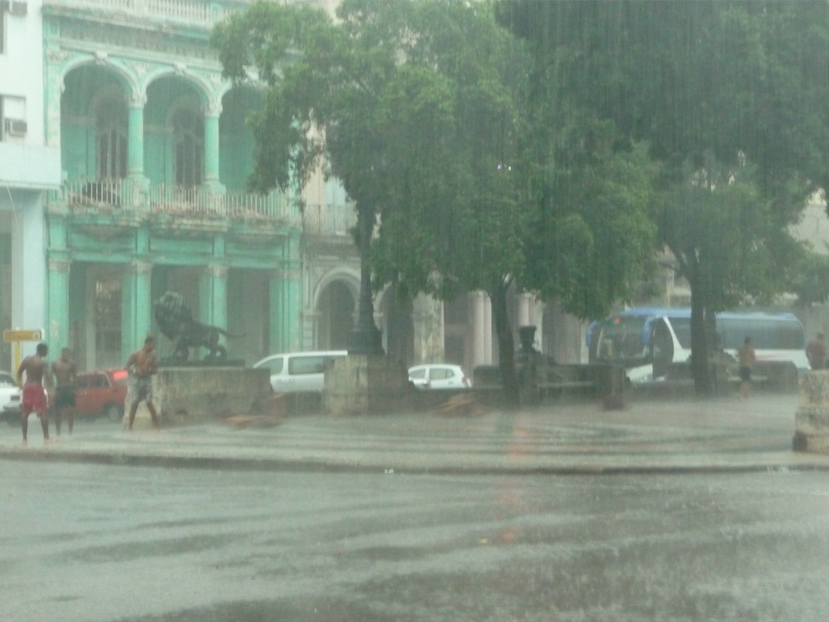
point(34, 394)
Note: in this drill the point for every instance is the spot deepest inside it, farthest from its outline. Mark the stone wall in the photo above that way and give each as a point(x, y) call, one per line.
point(812, 417)
point(185, 395)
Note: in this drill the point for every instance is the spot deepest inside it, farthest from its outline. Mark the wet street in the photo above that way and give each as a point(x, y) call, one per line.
point(102, 543)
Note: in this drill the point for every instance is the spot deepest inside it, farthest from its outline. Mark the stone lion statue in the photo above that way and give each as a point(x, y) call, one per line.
point(175, 321)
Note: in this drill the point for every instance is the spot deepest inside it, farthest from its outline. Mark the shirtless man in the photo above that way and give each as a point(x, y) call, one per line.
point(34, 394)
point(141, 366)
point(816, 352)
point(64, 370)
point(747, 358)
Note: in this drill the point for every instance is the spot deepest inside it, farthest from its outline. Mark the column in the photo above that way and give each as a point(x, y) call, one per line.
point(57, 335)
point(136, 309)
point(477, 339)
point(428, 329)
point(133, 192)
point(52, 95)
point(525, 310)
point(312, 337)
point(487, 330)
point(211, 148)
point(292, 293)
point(213, 287)
point(135, 161)
point(284, 288)
point(29, 271)
point(538, 319)
point(213, 296)
point(57, 283)
point(276, 306)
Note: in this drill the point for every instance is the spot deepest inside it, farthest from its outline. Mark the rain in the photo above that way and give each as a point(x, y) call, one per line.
point(413, 309)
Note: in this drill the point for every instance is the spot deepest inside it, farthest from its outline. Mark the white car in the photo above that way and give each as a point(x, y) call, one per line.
point(299, 372)
point(9, 392)
point(439, 376)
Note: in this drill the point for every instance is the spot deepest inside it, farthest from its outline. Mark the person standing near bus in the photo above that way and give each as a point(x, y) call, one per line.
point(747, 358)
point(816, 352)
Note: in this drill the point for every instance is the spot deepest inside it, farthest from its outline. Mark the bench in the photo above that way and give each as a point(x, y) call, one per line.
point(778, 376)
point(552, 380)
point(755, 379)
point(555, 380)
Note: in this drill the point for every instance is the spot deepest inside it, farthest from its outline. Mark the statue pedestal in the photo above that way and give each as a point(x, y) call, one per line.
point(361, 384)
point(812, 417)
point(185, 395)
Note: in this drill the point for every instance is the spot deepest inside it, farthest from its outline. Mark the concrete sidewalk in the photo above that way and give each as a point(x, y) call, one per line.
point(648, 436)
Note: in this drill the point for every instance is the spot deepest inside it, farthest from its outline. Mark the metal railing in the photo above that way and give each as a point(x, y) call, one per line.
point(121, 194)
point(176, 200)
point(328, 219)
point(100, 194)
point(193, 12)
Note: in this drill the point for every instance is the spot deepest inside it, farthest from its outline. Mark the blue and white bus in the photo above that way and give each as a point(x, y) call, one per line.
point(647, 339)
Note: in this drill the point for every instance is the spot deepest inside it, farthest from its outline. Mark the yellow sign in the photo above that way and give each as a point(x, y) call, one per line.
point(10, 336)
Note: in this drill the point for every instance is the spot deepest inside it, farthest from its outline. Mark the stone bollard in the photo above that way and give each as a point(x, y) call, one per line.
point(364, 384)
point(812, 417)
point(610, 382)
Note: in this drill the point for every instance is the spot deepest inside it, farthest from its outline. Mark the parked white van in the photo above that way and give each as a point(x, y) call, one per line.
point(299, 371)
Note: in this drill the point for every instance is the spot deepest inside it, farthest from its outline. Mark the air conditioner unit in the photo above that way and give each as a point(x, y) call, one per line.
point(15, 127)
point(16, 7)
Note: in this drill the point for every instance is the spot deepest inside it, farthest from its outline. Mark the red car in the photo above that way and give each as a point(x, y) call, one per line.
point(97, 394)
point(101, 394)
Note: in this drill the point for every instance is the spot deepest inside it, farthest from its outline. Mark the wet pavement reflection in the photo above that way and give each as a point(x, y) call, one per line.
point(132, 544)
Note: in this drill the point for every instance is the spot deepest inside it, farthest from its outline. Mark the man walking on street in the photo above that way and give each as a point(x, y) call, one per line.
point(34, 394)
point(142, 365)
point(816, 352)
point(64, 370)
point(747, 359)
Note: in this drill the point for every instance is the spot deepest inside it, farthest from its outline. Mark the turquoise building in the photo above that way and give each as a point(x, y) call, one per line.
point(149, 195)
point(155, 153)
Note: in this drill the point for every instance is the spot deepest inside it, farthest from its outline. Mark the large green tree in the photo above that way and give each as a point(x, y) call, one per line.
point(581, 240)
point(463, 231)
point(342, 93)
point(729, 97)
point(423, 108)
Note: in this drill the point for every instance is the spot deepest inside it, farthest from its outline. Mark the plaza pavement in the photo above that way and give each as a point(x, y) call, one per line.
point(722, 434)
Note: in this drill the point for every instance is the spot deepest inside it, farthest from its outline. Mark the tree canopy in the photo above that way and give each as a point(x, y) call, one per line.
point(729, 98)
point(582, 238)
point(424, 109)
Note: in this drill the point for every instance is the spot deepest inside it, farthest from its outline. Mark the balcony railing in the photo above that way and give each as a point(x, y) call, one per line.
point(328, 219)
point(193, 12)
point(104, 194)
point(180, 201)
point(107, 196)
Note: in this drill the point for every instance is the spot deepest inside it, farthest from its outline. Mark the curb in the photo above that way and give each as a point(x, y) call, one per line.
point(333, 466)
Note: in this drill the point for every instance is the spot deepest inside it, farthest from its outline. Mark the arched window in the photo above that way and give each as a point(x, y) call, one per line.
point(111, 130)
point(188, 133)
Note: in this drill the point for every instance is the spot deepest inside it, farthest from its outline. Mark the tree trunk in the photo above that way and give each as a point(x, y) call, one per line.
point(506, 345)
point(366, 337)
point(713, 338)
point(699, 343)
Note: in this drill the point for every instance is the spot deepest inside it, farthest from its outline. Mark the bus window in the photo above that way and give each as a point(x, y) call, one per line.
point(734, 332)
point(766, 334)
point(682, 330)
point(620, 339)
